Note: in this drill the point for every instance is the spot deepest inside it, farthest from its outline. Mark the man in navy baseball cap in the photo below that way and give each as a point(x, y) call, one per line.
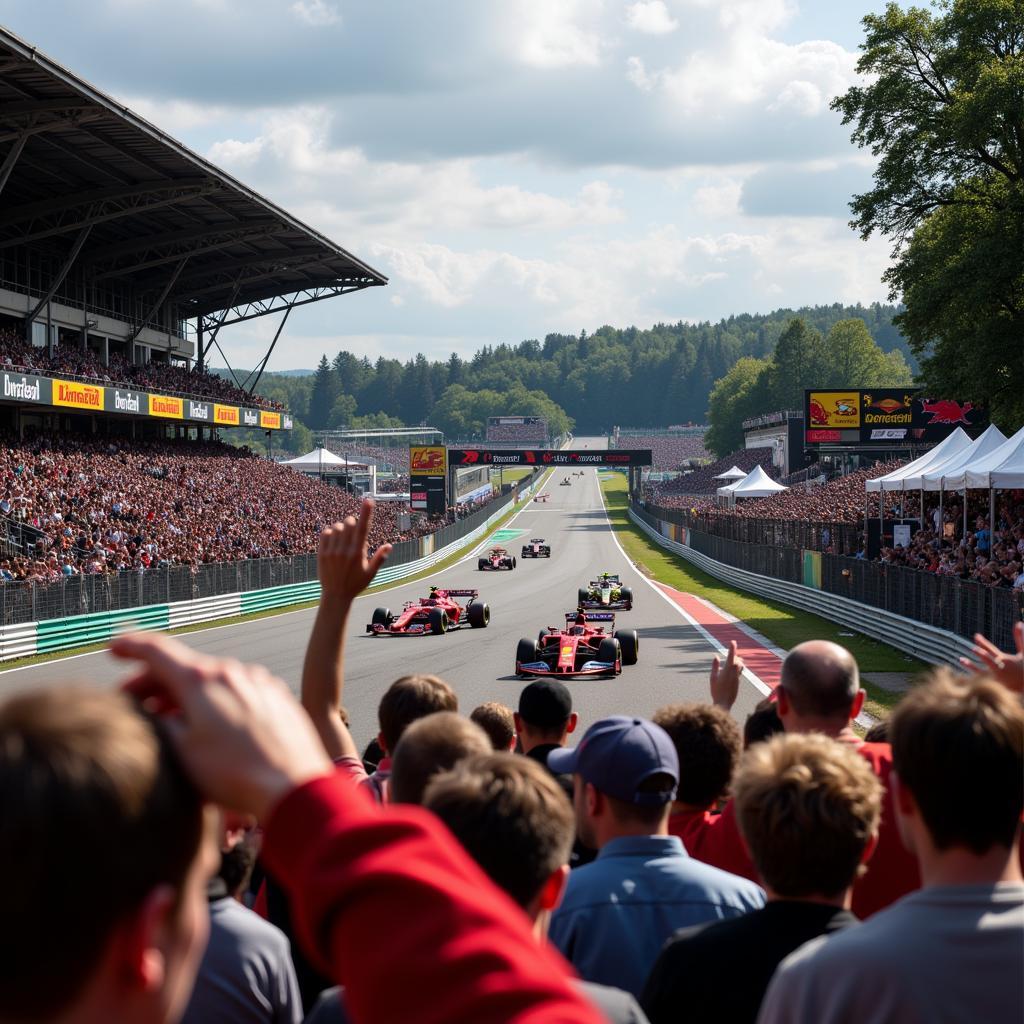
point(619, 911)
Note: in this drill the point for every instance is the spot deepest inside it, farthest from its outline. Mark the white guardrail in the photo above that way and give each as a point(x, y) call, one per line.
point(929, 643)
point(27, 638)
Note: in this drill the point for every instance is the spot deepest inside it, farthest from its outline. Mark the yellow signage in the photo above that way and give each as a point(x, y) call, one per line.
point(226, 414)
point(270, 420)
point(77, 396)
point(429, 461)
point(835, 409)
point(167, 407)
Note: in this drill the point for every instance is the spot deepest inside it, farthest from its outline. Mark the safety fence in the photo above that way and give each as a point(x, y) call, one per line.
point(217, 591)
point(930, 616)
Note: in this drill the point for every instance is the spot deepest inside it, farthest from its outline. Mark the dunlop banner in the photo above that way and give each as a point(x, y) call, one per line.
point(78, 396)
point(120, 400)
point(22, 387)
point(202, 412)
point(167, 407)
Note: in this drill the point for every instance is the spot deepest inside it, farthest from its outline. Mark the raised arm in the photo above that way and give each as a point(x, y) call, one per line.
point(345, 570)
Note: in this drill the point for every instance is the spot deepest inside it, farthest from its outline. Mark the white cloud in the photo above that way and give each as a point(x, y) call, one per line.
point(651, 17)
point(315, 13)
point(551, 36)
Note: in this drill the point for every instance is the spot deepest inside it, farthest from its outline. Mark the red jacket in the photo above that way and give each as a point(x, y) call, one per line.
point(891, 873)
point(456, 949)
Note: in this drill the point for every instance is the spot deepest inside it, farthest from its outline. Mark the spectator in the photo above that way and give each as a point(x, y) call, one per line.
point(498, 721)
point(808, 809)
point(707, 743)
point(246, 975)
point(99, 818)
point(619, 910)
point(819, 691)
point(951, 951)
point(431, 745)
point(762, 723)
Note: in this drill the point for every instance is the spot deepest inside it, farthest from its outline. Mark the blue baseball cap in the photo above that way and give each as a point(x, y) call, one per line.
point(617, 755)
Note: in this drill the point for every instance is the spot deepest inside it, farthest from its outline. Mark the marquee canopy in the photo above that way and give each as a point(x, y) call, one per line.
point(894, 481)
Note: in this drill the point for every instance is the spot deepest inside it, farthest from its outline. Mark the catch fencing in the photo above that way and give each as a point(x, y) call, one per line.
point(946, 603)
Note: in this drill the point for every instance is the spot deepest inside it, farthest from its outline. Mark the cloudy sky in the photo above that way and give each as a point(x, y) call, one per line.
point(515, 167)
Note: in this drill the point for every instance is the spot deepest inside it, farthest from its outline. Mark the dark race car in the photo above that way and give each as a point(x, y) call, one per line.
point(537, 548)
point(582, 648)
point(496, 558)
point(606, 591)
point(436, 613)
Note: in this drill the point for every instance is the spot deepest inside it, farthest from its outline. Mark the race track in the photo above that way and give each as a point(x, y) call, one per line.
point(673, 663)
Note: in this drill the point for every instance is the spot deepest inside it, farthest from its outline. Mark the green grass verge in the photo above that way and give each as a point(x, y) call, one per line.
point(511, 474)
point(782, 625)
point(38, 659)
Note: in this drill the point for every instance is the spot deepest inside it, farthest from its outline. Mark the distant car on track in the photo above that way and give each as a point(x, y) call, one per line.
point(606, 591)
point(543, 496)
point(583, 648)
point(537, 548)
point(496, 559)
point(436, 613)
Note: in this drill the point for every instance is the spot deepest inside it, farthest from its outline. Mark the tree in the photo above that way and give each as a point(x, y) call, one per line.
point(854, 360)
point(798, 362)
point(323, 396)
point(741, 393)
point(944, 111)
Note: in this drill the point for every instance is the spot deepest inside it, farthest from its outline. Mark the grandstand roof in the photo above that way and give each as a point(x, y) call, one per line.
point(78, 160)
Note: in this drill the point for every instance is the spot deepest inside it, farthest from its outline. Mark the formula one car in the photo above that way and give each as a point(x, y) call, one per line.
point(537, 548)
point(543, 496)
point(436, 613)
point(566, 482)
point(582, 648)
point(606, 592)
point(496, 558)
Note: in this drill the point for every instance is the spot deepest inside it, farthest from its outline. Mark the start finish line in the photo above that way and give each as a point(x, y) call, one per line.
point(460, 457)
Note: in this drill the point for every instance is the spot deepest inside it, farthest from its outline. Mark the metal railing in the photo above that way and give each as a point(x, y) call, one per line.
point(31, 601)
point(963, 607)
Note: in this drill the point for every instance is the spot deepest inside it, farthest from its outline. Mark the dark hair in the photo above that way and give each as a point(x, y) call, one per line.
point(409, 698)
point(429, 746)
point(707, 742)
point(762, 723)
point(878, 733)
point(497, 721)
point(96, 812)
point(807, 807)
point(648, 815)
point(511, 816)
point(949, 733)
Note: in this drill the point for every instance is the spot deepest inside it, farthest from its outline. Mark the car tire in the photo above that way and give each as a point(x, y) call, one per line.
point(478, 614)
point(513, 561)
point(629, 643)
point(438, 620)
point(526, 651)
point(381, 617)
point(582, 595)
point(627, 595)
point(480, 563)
point(609, 650)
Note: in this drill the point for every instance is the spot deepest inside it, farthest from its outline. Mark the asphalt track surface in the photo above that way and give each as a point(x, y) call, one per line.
point(674, 657)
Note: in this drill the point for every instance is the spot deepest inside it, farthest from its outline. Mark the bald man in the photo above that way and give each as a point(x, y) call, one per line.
point(819, 691)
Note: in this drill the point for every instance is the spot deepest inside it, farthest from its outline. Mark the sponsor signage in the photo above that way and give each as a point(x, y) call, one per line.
point(428, 494)
point(21, 388)
point(77, 396)
point(429, 460)
point(542, 457)
point(166, 406)
point(130, 402)
point(879, 416)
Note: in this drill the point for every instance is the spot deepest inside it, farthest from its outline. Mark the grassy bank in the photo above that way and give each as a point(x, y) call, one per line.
point(783, 625)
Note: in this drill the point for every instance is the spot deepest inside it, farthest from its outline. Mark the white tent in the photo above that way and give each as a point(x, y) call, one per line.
point(756, 484)
point(315, 459)
point(893, 481)
point(731, 474)
point(1000, 469)
point(932, 479)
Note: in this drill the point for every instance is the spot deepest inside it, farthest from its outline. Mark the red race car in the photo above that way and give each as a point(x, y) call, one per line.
point(496, 558)
point(436, 613)
point(582, 648)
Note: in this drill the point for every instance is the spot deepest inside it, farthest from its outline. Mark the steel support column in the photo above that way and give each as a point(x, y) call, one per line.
point(59, 279)
point(266, 358)
point(12, 158)
point(159, 302)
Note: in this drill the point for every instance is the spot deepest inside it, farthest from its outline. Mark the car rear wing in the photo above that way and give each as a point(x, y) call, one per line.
point(591, 616)
point(601, 583)
point(463, 593)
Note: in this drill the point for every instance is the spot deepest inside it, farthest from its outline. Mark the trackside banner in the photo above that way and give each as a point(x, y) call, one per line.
point(29, 389)
point(546, 457)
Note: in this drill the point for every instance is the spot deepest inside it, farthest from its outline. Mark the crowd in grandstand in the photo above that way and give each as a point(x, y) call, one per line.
point(667, 453)
point(18, 354)
point(96, 506)
point(529, 434)
point(677, 493)
point(799, 874)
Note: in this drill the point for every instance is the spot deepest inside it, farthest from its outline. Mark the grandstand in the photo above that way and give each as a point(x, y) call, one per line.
point(517, 430)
